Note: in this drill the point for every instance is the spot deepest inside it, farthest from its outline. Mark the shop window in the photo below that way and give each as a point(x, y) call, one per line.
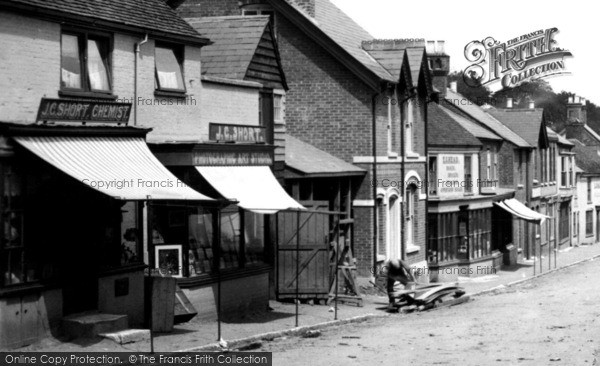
point(589, 223)
point(131, 234)
point(85, 63)
point(169, 68)
point(16, 264)
point(254, 241)
point(200, 251)
point(433, 176)
point(184, 232)
point(230, 238)
point(468, 176)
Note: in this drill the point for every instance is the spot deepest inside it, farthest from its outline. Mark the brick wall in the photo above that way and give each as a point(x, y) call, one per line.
point(228, 104)
point(326, 105)
point(209, 8)
point(29, 66)
point(33, 72)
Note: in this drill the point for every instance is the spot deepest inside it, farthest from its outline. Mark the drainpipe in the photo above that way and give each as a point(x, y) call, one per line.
point(374, 180)
point(135, 77)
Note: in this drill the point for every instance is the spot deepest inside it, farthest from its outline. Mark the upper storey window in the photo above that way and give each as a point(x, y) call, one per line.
point(169, 68)
point(85, 63)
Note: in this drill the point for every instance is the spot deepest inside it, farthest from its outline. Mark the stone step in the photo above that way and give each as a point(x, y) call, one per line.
point(92, 324)
point(128, 336)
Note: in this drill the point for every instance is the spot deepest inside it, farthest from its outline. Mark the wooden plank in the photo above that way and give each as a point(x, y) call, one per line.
point(303, 266)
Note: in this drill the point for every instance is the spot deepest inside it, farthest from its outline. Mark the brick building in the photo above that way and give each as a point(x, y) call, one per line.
point(363, 103)
point(586, 202)
point(78, 83)
point(551, 193)
point(515, 170)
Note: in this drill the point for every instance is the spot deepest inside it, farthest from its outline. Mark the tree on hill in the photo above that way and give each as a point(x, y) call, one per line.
point(477, 94)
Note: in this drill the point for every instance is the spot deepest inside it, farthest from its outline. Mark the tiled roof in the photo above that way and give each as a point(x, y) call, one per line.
point(527, 123)
point(587, 159)
point(310, 160)
point(478, 114)
point(390, 59)
point(415, 60)
point(475, 129)
point(561, 140)
point(345, 32)
point(147, 15)
point(443, 130)
point(235, 40)
point(593, 133)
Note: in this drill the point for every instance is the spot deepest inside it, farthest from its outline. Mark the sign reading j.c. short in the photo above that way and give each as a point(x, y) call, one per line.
point(236, 133)
point(72, 110)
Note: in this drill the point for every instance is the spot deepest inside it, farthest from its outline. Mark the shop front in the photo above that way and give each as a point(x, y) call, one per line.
point(73, 221)
point(232, 248)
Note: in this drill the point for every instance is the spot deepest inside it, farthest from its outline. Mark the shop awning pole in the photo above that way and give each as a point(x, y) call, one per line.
point(218, 260)
point(337, 262)
point(297, 264)
point(533, 249)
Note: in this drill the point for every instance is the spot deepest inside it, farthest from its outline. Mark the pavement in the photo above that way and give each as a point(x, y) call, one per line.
point(199, 335)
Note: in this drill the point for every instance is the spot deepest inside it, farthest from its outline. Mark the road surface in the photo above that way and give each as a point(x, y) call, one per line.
point(552, 320)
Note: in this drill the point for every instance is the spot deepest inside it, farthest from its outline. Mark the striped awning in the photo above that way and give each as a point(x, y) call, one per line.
point(521, 211)
point(120, 167)
point(254, 187)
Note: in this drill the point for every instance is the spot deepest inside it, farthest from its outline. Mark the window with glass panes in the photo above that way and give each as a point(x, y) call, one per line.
point(85, 62)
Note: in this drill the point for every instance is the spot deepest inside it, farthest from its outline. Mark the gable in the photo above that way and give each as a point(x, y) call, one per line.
point(265, 66)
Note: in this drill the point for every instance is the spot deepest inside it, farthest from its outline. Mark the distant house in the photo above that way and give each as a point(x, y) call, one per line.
point(551, 193)
point(467, 231)
point(586, 210)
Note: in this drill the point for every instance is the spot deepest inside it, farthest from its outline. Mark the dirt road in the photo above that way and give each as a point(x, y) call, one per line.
point(553, 320)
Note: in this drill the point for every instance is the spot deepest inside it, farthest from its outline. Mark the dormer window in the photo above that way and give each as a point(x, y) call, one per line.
point(169, 68)
point(85, 63)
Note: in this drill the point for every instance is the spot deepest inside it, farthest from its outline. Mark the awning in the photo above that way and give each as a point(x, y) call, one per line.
point(121, 167)
point(254, 187)
point(521, 211)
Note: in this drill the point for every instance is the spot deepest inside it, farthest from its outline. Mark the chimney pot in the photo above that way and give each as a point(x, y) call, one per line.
point(509, 103)
point(531, 104)
point(570, 100)
point(441, 47)
point(454, 86)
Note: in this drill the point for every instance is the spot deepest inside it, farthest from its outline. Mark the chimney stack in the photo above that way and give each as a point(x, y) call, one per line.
point(509, 103)
point(439, 63)
point(531, 104)
point(454, 86)
point(576, 110)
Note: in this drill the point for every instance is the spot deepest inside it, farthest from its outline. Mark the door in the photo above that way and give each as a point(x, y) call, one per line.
point(394, 246)
point(303, 253)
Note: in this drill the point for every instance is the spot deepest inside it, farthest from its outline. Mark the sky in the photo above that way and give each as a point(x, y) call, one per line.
point(462, 21)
